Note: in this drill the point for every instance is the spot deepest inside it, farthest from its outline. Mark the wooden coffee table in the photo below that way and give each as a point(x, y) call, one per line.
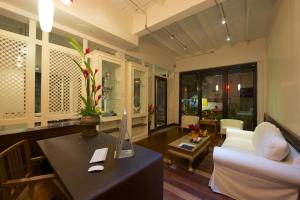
point(175, 150)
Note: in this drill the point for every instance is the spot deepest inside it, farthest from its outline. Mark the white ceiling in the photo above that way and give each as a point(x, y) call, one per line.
point(130, 6)
point(246, 20)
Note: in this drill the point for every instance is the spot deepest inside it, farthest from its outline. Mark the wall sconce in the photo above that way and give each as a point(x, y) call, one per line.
point(239, 87)
point(217, 87)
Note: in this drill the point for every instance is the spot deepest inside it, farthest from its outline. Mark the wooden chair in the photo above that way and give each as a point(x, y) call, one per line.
point(16, 171)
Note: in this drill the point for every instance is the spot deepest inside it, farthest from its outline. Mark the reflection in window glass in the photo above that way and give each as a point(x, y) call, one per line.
point(212, 97)
point(189, 94)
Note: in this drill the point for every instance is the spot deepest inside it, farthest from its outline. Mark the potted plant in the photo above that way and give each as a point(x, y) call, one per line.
point(90, 112)
point(151, 110)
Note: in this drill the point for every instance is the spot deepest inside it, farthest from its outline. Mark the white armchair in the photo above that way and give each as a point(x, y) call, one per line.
point(242, 172)
point(186, 120)
point(230, 123)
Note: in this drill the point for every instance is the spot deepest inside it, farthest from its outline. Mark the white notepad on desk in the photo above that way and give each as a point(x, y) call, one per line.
point(99, 155)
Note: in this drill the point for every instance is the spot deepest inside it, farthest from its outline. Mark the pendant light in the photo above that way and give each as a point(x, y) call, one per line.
point(67, 2)
point(46, 12)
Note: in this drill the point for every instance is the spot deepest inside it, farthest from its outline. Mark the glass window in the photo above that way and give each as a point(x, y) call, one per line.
point(189, 94)
point(61, 38)
point(139, 92)
point(39, 32)
point(241, 97)
point(15, 25)
point(38, 80)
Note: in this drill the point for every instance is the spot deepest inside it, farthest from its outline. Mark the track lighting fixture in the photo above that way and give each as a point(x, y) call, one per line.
point(223, 21)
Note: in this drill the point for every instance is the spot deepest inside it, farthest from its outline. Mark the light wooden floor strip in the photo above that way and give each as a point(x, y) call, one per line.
point(179, 192)
point(202, 173)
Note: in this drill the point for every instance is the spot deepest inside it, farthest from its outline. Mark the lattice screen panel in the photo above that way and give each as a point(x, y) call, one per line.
point(64, 83)
point(12, 78)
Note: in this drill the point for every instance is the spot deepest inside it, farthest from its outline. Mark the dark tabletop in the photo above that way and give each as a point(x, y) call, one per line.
point(70, 155)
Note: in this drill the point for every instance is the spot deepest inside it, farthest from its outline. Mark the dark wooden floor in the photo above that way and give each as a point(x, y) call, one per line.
point(178, 182)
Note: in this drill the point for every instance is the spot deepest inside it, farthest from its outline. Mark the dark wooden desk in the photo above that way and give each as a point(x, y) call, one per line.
point(139, 177)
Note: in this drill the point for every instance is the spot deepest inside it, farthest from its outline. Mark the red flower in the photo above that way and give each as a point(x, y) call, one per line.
point(86, 51)
point(98, 87)
point(96, 70)
point(85, 73)
point(191, 126)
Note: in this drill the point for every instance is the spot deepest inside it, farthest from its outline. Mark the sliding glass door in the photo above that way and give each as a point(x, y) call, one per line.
point(189, 94)
point(212, 96)
point(225, 92)
point(241, 94)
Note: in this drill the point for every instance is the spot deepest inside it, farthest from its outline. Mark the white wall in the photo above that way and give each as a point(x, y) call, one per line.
point(150, 51)
point(254, 51)
point(284, 66)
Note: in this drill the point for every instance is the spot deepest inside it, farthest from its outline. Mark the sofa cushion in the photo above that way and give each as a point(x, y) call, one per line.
point(261, 129)
point(272, 146)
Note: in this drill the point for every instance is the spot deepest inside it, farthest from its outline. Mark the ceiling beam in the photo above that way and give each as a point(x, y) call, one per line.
point(161, 15)
point(165, 44)
point(210, 39)
point(190, 35)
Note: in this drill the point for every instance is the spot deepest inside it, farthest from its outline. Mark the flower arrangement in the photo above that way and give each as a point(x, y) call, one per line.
point(194, 128)
point(92, 88)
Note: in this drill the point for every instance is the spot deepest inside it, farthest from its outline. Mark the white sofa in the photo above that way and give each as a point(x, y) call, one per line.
point(243, 170)
point(230, 123)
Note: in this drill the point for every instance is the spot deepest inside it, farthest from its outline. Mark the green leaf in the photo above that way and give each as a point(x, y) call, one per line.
point(84, 100)
point(75, 61)
point(75, 45)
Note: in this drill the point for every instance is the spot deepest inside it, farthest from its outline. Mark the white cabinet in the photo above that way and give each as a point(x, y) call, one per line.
point(111, 76)
point(137, 100)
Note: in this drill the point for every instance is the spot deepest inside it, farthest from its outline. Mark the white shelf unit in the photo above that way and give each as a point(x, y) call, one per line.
point(111, 76)
point(137, 100)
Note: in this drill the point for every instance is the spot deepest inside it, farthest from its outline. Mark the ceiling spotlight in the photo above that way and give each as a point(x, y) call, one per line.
point(172, 37)
point(228, 38)
point(223, 21)
point(185, 48)
point(46, 12)
point(67, 2)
